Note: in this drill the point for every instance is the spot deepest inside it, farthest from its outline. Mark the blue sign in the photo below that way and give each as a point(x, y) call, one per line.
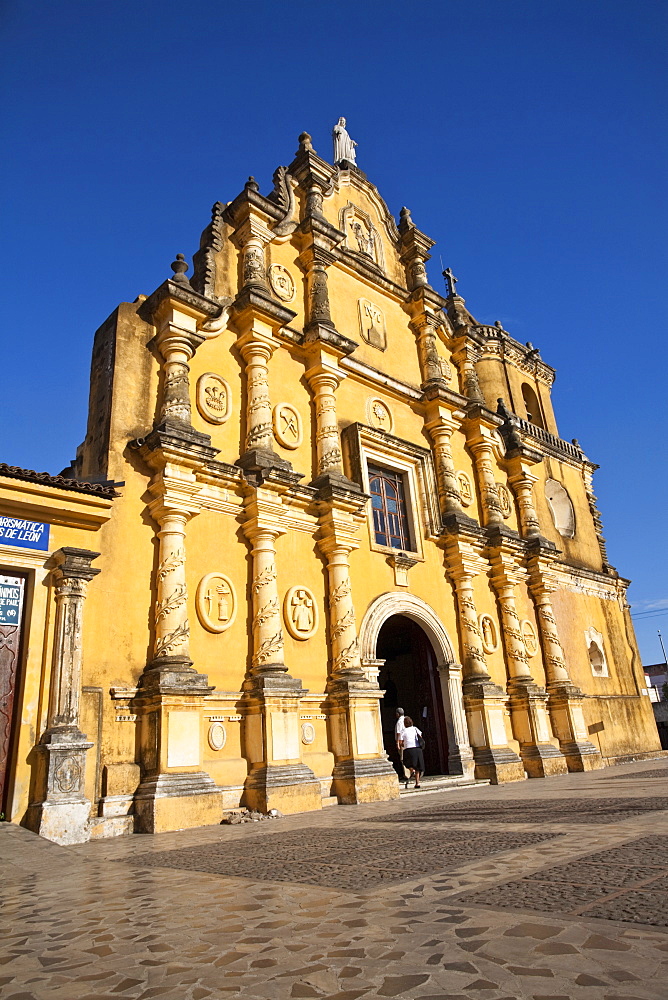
point(25, 534)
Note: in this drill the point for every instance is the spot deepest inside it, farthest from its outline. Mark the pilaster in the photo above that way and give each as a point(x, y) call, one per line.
point(527, 700)
point(63, 811)
point(270, 703)
point(362, 772)
point(484, 700)
point(565, 698)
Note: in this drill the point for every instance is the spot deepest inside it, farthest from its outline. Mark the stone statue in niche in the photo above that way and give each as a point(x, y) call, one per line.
point(365, 240)
point(344, 147)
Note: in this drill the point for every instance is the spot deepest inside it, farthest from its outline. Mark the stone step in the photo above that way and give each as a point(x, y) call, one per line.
point(329, 800)
point(441, 783)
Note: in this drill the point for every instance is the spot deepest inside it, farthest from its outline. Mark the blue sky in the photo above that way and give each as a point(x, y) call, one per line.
point(528, 139)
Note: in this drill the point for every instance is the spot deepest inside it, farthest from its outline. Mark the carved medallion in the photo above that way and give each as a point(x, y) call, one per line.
point(530, 638)
point(217, 736)
point(68, 775)
point(372, 324)
point(214, 399)
point(287, 426)
point(488, 633)
point(300, 612)
point(379, 415)
point(282, 283)
point(308, 733)
point(465, 489)
point(216, 602)
point(504, 499)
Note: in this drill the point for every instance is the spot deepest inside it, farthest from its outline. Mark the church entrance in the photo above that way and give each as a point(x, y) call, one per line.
point(411, 680)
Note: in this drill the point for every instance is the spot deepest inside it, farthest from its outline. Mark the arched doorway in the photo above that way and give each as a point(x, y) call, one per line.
point(442, 665)
point(409, 677)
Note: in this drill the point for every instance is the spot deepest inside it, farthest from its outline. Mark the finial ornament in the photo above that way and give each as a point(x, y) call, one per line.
point(252, 185)
point(179, 267)
point(344, 147)
point(305, 144)
point(450, 282)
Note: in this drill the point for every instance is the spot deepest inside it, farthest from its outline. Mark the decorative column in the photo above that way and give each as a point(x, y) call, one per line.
point(483, 454)
point(440, 430)
point(484, 700)
point(527, 699)
point(172, 630)
point(324, 378)
point(256, 352)
point(465, 357)
point(175, 792)
point(522, 482)
point(460, 754)
point(277, 778)
point(362, 771)
point(267, 632)
point(62, 814)
point(565, 701)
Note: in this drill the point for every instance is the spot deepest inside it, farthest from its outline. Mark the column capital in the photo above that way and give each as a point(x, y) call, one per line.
point(74, 564)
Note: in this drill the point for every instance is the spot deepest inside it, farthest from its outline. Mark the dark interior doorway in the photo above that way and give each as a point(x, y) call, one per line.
point(410, 680)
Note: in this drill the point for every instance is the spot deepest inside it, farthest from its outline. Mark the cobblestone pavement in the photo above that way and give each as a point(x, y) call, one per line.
point(544, 890)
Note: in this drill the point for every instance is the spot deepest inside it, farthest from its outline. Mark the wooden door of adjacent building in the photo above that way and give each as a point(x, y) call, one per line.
point(12, 590)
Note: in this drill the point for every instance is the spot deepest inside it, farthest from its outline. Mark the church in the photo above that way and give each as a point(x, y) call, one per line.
point(312, 488)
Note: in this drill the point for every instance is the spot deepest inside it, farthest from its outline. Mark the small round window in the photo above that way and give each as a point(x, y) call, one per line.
point(561, 508)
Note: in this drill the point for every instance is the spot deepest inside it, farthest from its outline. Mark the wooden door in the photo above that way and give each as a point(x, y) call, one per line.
point(12, 588)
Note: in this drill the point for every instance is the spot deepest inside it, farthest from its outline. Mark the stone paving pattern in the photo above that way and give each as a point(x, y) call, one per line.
point(109, 920)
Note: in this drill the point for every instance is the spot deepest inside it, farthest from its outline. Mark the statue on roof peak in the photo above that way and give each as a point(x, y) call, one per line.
point(344, 147)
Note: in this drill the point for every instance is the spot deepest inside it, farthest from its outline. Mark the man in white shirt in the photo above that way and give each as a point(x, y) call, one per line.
point(399, 728)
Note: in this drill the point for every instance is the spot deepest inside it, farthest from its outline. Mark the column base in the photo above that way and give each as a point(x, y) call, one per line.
point(62, 814)
point(531, 727)
point(173, 675)
point(568, 723)
point(290, 788)
point(461, 764)
point(485, 709)
point(542, 760)
point(498, 765)
point(355, 781)
point(581, 755)
point(177, 801)
point(363, 772)
point(63, 822)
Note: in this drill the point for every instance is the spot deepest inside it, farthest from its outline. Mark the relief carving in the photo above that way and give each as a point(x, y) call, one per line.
point(308, 733)
point(214, 398)
point(300, 613)
point(529, 638)
point(287, 426)
point(504, 500)
point(282, 282)
point(465, 489)
point(268, 648)
point(379, 415)
point(217, 736)
point(216, 602)
point(167, 643)
point(67, 775)
point(372, 324)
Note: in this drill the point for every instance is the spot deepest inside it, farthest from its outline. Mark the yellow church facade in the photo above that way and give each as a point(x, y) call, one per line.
point(312, 489)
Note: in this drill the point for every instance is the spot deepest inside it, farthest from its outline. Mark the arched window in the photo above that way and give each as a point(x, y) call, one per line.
point(597, 661)
point(388, 503)
point(561, 508)
point(532, 405)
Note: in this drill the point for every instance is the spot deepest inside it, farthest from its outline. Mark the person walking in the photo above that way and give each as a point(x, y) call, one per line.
point(413, 756)
point(399, 740)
